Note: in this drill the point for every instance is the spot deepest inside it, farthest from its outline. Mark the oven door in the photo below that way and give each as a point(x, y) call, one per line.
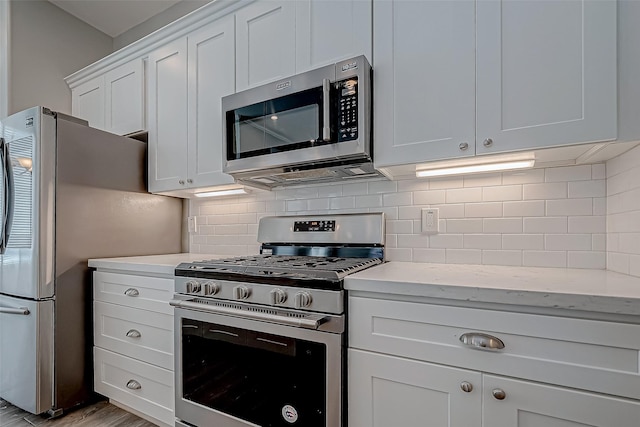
point(233, 372)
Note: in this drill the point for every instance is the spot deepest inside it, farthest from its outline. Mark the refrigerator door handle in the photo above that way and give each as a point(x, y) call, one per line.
point(8, 195)
point(15, 310)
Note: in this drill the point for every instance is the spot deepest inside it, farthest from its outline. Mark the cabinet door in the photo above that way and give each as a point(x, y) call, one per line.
point(266, 42)
point(124, 106)
point(528, 404)
point(167, 115)
point(88, 102)
point(211, 76)
point(328, 31)
point(423, 80)
point(546, 73)
point(389, 391)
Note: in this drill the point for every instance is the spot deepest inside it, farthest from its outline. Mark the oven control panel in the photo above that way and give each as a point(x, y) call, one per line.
point(305, 226)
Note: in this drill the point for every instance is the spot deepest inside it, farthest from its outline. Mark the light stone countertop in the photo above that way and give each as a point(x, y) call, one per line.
point(151, 264)
point(564, 288)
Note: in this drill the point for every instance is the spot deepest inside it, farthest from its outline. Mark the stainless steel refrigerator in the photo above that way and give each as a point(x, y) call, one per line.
point(69, 193)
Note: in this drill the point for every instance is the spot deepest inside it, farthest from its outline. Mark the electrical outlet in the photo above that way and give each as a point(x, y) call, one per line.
point(193, 224)
point(430, 220)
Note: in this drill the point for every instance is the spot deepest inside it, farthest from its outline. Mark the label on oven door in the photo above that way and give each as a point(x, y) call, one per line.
point(289, 414)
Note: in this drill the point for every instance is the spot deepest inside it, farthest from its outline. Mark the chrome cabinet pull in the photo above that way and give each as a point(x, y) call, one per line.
point(326, 110)
point(132, 333)
point(487, 142)
point(482, 341)
point(134, 385)
point(15, 310)
point(466, 386)
point(131, 292)
point(498, 393)
point(463, 146)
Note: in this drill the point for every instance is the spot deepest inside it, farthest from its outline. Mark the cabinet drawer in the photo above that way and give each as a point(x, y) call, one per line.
point(148, 293)
point(143, 387)
point(141, 334)
point(586, 354)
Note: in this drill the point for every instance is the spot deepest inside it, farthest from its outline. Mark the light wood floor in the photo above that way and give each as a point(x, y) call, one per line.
point(101, 414)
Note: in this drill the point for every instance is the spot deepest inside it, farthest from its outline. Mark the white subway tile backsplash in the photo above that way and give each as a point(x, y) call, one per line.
point(483, 210)
point(482, 241)
point(378, 187)
point(618, 262)
point(530, 176)
point(397, 199)
point(463, 195)
point(431, 197)
point(546, 191)
point(524, 208)
point(545, 225)
point(594, 188)
point(587, 224)
point(567, 242)
point(430, 255)
point(502, 193)
point(464, 225)
point(624, 162)
point(502, 225)
point(373, 201)
point(523, 241)
point(544, 258)
point(542, 217)
point(634, 265)
point(596, 260)
point(342, 203)
point(463, 256)
point(501, 257)
point(569, 173)
point(570, 207)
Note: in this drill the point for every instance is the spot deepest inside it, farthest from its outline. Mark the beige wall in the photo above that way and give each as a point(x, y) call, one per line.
point(46, 45)
point(156, 22)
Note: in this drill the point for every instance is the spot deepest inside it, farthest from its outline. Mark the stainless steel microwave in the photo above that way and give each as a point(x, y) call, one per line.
point(311, 127)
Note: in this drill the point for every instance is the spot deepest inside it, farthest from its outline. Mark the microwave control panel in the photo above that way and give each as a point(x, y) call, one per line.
point(348, 109)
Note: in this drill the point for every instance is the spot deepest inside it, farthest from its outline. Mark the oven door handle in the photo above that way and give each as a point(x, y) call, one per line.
point(308, 322)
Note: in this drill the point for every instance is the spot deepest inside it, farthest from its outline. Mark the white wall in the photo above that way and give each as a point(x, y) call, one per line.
point(46, 45)
point(551, 217)
point(623, 213)
point(4, 58)
point(156, 22)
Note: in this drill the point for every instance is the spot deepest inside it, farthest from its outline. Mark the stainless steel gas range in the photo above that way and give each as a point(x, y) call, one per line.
point(261, 340)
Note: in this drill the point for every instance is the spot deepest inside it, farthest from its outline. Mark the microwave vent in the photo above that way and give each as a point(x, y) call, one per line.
point(307, 175)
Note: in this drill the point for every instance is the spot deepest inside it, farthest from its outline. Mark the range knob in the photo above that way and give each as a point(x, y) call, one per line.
point(211, 288)
point(303, 299)
point(241, 292)
point(193, 287)
point(277, 296)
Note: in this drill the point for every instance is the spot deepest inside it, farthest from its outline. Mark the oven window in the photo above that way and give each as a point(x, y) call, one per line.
point(282, 124)
point(254, 376)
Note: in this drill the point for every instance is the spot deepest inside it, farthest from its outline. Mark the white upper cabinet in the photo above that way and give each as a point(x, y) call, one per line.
point(424, 80)
point(328, 31)
point(211, 76)
point(546, 73)
point(124, 95)
point(87, 102)
point(276, 39)
point(266, 42)
point(492, 76)
point(167, 92)
point(113, 101)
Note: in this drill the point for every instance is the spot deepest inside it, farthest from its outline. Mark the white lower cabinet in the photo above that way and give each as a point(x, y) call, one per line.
point(133, 344)
point(409, 367)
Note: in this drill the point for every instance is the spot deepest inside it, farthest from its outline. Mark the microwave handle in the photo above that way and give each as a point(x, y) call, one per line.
point(326, 109)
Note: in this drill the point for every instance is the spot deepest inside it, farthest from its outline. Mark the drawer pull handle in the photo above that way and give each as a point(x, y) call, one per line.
point(466, 386)
point(482, 341)
point(132, 292)
point(134, 385)
point(499, 394)
point(132, 333)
